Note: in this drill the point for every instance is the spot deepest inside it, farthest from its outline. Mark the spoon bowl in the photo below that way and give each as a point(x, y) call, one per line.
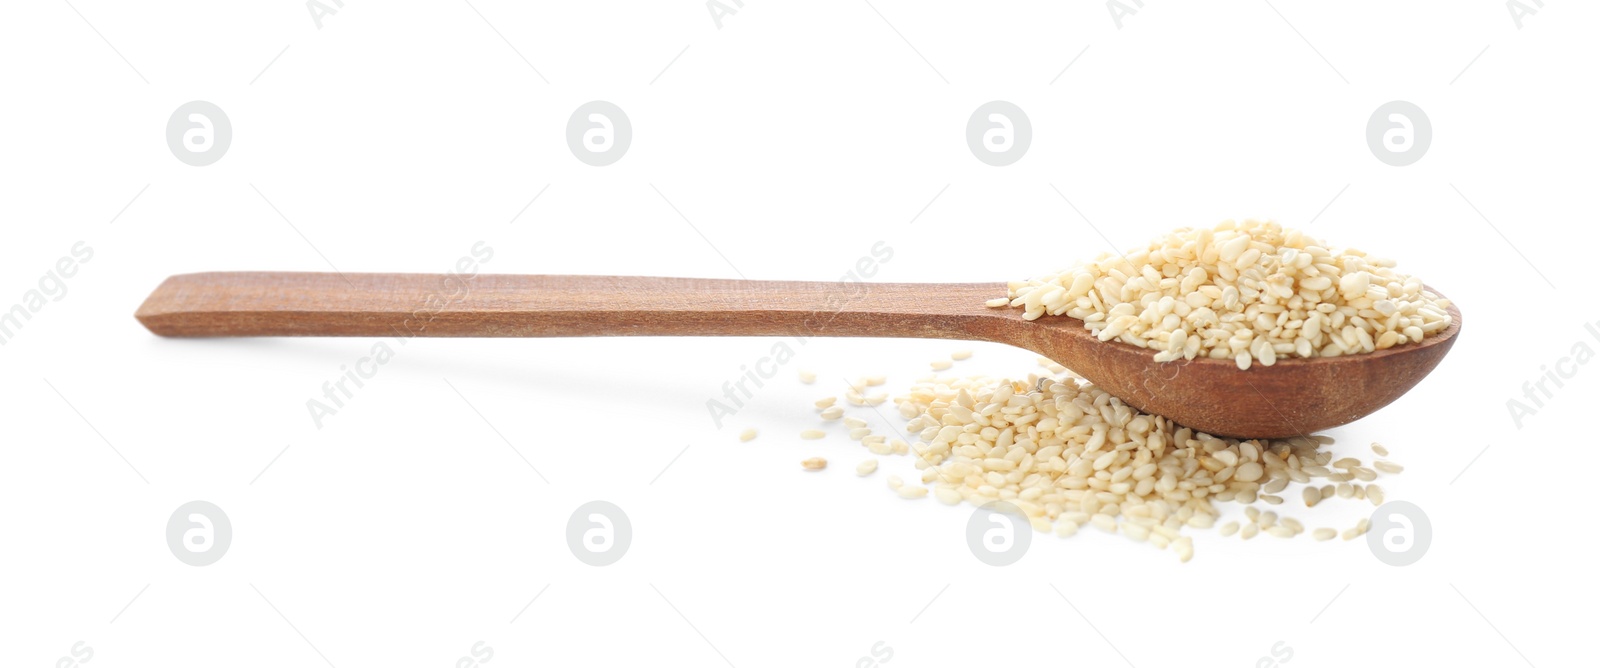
point(1293, 397)
point(1296, 396)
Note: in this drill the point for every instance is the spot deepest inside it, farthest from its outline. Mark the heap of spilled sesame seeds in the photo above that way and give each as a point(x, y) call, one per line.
point(1067, 454)
point(1242, 291)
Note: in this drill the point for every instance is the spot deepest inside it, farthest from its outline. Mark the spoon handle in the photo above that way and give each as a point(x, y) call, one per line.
point(490, 305)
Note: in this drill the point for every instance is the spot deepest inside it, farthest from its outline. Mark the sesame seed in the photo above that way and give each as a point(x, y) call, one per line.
point(1251, 291)
point(1066, 454)
point(912, 492)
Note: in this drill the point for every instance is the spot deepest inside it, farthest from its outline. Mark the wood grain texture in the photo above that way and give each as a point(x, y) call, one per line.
point(1292, 397)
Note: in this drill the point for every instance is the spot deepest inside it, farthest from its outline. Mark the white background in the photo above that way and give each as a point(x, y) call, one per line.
point(791, 139)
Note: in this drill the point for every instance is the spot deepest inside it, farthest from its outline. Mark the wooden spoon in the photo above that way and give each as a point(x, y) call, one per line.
point(1293, 397)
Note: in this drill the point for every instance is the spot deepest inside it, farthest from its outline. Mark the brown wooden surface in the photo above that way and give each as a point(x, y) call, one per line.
point(1294, 396)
